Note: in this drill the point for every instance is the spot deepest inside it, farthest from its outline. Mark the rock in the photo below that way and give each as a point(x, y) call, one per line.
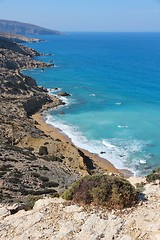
point(4, 212)
point(125, 237)
point(54, 218)
point(43, 150)
point(16, 207)
point(62, 113)
point(63, 94)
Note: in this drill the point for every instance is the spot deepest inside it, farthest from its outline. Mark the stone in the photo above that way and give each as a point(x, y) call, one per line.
point(64, 94)
point(4, 212)
point(43, 150)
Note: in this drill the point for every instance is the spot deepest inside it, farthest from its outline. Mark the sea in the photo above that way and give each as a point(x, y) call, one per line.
point(114, 82)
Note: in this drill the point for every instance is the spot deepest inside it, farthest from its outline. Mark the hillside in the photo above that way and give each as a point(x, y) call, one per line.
point(15, 27)
point(18, 38)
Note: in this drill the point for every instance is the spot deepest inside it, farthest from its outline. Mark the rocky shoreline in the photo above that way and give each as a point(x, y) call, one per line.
point(33, 162)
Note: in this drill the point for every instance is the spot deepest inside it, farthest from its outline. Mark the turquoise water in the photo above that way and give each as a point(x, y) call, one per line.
point(114, 81)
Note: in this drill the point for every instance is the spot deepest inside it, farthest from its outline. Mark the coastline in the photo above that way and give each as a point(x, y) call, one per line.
point(56, 133)
point(38, 162)
point(44, 157)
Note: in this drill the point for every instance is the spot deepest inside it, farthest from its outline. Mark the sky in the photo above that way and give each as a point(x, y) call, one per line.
point(86, 15)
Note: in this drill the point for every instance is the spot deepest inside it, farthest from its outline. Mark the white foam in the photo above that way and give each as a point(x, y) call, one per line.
point(122, 126)
point(92, 95)
point(118, 103)
point(67, 100)
point(117, 151)
point(142, 161)
point(107, 144)
point(51, 91)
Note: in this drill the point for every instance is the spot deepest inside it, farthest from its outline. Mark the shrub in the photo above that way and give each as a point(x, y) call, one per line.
point(140, 187)
point(153, 176)
point(109, 191)
point(29, 201)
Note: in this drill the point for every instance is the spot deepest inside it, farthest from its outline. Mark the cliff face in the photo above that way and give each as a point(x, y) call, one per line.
point(24, 28)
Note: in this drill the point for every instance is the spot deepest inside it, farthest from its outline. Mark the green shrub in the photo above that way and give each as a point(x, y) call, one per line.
point(140, 187)
point(154, 175)
point(109, 191)
point(29, 201)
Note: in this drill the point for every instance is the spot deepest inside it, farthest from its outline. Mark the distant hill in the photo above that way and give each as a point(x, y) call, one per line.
point(15, 27)
point(18, 38)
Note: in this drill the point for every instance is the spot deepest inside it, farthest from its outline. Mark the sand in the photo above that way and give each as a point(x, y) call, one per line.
point(56, 133)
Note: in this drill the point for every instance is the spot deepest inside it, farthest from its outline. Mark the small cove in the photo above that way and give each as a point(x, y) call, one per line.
point(114, 81)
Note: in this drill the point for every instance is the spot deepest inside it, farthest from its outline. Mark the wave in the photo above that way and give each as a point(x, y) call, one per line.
point(51, 91)
point(117, 151)
point(107, 144)
point(118, 103)
point(142, 161)
point(67, 100)
point(122, 126)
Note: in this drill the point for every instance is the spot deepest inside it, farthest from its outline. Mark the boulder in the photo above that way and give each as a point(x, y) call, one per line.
point(64, 94)
point(43, 150)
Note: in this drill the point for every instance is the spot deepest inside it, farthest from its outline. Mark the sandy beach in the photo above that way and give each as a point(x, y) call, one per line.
point(56, 133)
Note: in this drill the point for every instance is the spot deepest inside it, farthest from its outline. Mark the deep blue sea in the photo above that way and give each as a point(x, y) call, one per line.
point(114, 82)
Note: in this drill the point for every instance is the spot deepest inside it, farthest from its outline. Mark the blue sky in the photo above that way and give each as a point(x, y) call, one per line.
point(85, 15)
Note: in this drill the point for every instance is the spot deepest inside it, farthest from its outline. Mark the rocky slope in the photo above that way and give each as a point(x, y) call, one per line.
point(22, 170)
point(24, 28)
point(61, 220)
point(31, 162)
